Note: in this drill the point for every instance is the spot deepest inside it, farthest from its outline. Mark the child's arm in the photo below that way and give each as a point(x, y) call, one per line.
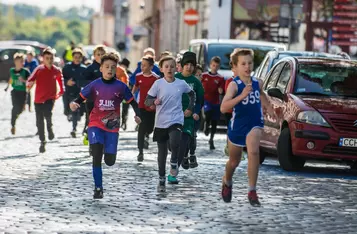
point(135, 88)
point(229, 101)
point(60, 83)
point(151, 97)
point(8, 84)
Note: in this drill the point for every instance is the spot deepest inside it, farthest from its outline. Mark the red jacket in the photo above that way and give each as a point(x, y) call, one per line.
point(46, 83)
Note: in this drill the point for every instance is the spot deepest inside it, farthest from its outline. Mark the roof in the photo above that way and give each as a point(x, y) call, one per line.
point(324, 60)
point(24, 42)
point(238, 42)
point(19, 47)
point(307, 54)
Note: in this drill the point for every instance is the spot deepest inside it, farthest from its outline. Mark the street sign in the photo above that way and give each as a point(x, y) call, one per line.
point(191, 17)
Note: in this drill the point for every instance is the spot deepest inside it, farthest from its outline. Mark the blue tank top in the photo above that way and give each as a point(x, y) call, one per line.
point(248, 113)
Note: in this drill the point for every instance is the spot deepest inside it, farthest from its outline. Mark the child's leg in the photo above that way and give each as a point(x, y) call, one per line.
point(253, 141)
point(96, 139)
point(175, 135)
point(40, 121)
point(216, 114)
point(161, 157)
point(142, 130)
point(18, 102)
point(208, 119)
point(235, 155)
point(110, 147)
point(183, 149)
point(48, 106)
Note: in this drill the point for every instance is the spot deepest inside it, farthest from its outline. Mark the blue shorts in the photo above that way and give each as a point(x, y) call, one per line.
point(108, 139)
point(239, 138)
point(214, 109)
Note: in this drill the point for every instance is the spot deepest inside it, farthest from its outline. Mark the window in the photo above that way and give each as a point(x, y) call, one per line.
point(264, 69)
point(201, 59)
point(196, 49)
point(274, 76)
point(284, 78)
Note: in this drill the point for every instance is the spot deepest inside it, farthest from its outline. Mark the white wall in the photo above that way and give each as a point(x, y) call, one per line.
point(219, 24)
point(103, 29)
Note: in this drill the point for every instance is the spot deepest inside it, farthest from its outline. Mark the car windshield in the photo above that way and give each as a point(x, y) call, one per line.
point(327, 79)
point(224, 51)
point(304, 54)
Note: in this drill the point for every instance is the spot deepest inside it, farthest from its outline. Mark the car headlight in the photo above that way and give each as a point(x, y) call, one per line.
point(312, 117)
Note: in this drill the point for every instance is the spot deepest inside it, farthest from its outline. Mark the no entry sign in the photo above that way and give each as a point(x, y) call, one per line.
point(191, 17)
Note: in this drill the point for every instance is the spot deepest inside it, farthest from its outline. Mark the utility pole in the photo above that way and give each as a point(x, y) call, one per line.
point(290, 22)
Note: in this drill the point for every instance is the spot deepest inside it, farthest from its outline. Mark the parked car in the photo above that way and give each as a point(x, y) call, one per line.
point(272, 57)
point(7, 58)
point(205, 49)
point(315, 100)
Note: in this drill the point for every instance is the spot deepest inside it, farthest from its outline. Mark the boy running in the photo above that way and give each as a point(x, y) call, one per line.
point(144, 81)
point(18, 77)
point(73, 78)
point(107, 94)
point(213, 84)
point(166, 94)
point(46, 76)
point(188, 63)
point(245, 96)
point(90, 74)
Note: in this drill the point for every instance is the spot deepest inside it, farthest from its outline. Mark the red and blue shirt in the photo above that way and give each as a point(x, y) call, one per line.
point(107, 97)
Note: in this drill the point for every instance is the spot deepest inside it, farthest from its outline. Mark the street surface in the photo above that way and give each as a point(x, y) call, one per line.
point(52, 192)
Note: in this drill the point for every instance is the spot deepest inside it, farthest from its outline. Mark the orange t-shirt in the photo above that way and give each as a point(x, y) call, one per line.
point(122, 75)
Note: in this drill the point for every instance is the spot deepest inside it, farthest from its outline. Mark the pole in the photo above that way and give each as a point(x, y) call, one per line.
point(309, 29)
point(290, 22)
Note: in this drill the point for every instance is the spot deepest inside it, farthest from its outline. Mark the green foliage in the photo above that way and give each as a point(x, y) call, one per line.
point(55, 28)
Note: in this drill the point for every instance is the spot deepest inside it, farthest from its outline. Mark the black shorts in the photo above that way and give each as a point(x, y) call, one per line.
point(162, 134)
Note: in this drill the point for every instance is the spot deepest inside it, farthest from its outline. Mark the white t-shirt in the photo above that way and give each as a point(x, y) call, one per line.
point(169, 112)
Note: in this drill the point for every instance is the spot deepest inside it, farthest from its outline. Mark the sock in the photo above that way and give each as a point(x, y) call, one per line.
point(252, 188)
point(97, 175)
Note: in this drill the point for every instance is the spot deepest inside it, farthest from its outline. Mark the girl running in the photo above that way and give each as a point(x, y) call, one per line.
point(245, 96)
point(166, 95)
point(107, 94)
point(143, 81)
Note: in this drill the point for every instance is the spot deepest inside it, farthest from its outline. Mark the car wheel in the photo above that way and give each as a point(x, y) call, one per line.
point(285, 155)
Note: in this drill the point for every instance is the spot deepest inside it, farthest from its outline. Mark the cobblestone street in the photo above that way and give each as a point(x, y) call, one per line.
point(52, 192)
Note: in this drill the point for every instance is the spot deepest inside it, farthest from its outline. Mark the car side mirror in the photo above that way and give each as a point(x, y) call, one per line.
point(275, 92)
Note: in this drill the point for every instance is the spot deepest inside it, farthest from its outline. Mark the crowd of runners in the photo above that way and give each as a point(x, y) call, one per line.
point(167, 96)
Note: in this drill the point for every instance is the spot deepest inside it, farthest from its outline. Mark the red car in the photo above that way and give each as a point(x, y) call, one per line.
point(315, 100)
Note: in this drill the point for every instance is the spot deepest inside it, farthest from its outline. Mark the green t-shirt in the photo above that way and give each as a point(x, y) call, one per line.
point(15, 75)
point(196, 85)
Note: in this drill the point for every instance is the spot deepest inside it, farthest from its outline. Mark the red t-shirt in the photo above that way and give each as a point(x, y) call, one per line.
point(144, 83)
point(226, 86)
point(46, 83)
point(211, 83)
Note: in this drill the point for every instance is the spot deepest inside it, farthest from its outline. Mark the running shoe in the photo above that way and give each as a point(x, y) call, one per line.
point(185, 163)
point(140, 157)
point(193, 161)
point(98, 193)
point(73, 134)
point(13, 130)
point(42, 147)
point(226, 192)
point(172, 179)
point(253, 198)
point(161, 187)
point(51, 135)
point(211, 145)
point(85, 139)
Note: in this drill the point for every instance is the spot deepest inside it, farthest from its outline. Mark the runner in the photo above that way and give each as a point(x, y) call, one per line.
point(125, 63)
point(107, 94)
point(18, 77)
point(245, 96)
point(73, 78)
point(188, 63)
point(213, 84)
point(30, 63)
point(144, 81)
point(166, 94)
point(90, 74)
point(46, 76)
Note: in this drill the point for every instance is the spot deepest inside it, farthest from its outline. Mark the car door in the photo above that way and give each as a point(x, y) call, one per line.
point(6, 62)
point(268, 138)
point(278, 104)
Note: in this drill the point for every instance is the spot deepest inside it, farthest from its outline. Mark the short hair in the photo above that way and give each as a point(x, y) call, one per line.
point(165, 53)
point(48, 51)
point(109, 56)
point(149, 50)
point(77, 51)
point(149, 59)
point(239, 52)
point(216, 59)
point(31, 52)
point(166, 58)
point(99, 48)
point(18, 56)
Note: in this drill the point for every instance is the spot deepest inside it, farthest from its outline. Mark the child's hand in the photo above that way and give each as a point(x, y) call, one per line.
point(74, 106)
point(157, 102)
point(71, 82)
point(153, 107)
point(187, 113)
point(29, 84)
point(137, 119)
point(246, 91)
point(196, 117)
